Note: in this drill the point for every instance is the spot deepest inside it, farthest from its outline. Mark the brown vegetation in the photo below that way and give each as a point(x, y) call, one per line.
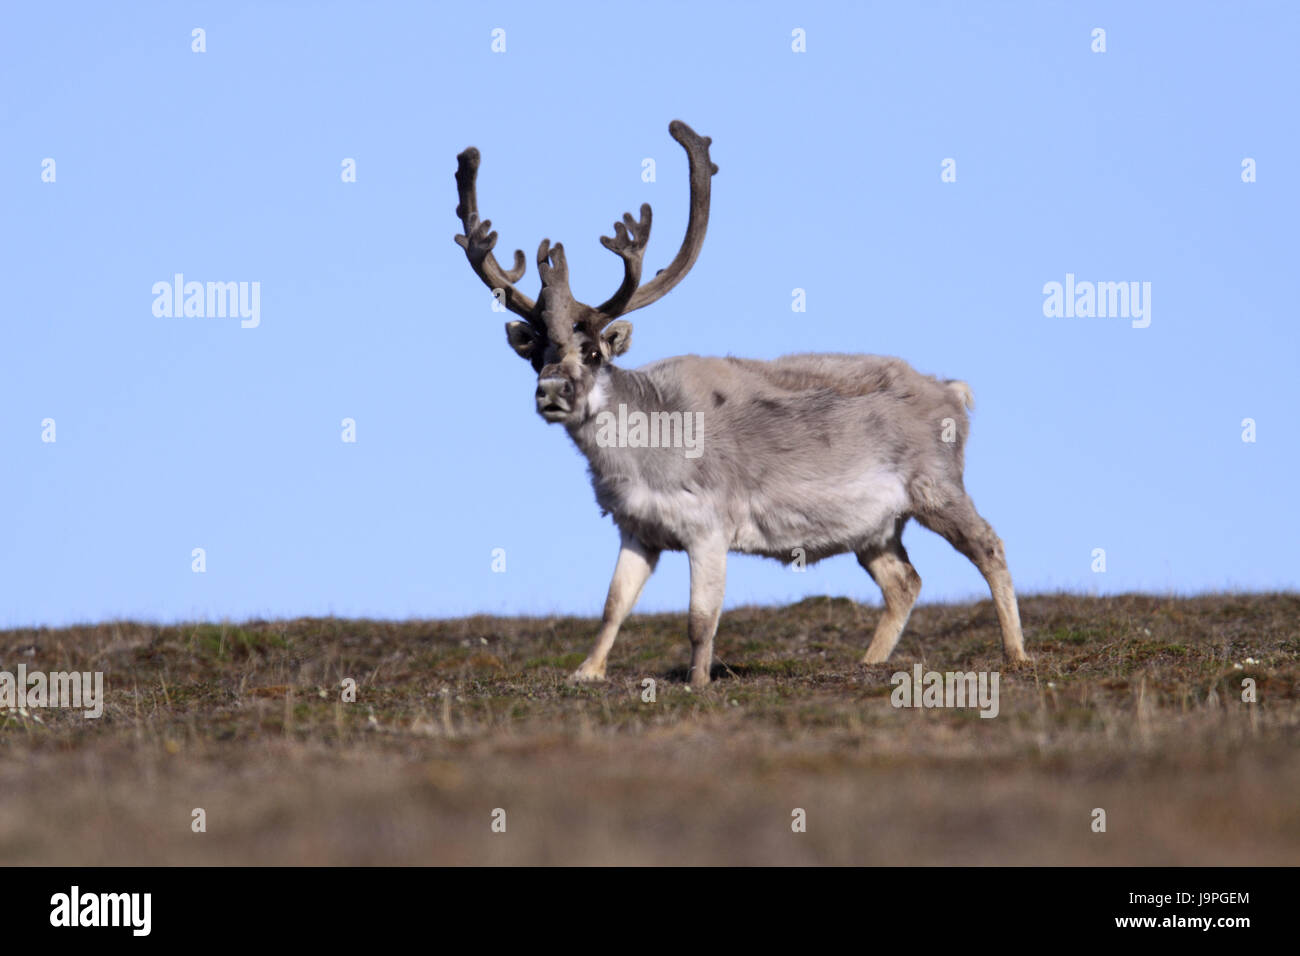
point(1132, 704)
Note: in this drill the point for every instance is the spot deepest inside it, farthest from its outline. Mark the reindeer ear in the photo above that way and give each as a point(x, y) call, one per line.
point(522, 339)
point(618, 336)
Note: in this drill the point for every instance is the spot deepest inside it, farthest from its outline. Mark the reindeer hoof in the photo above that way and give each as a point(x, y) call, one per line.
point(586, 674)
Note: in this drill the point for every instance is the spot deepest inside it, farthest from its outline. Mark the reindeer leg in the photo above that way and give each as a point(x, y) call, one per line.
point(635, 564)
point(900, 585)
point(708, 584)
point(974, 537)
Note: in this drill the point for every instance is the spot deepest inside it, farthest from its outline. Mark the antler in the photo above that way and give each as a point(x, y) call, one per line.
point(478, 242)
point(629, 296)
point(628, 242)
point(559, 310)
point(556, 311)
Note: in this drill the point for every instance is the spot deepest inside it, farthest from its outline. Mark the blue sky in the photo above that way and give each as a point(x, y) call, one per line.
point(176, 433)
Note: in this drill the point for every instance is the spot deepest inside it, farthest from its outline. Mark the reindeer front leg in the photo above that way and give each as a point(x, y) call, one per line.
point(636, 563)
point(708, 584)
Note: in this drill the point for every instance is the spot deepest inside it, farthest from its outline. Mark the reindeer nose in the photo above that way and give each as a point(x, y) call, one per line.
point(554, 393)
point(555, 387)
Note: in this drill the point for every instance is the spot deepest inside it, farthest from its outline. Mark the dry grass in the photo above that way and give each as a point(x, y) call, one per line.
point(1133, 705)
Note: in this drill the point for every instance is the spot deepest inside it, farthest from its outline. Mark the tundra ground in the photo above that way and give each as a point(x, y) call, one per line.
point(1132, 704)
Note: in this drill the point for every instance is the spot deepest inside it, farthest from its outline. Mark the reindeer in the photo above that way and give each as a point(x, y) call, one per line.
point(802, 458)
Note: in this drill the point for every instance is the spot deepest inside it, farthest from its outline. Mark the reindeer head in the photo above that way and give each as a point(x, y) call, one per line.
point(568, 341)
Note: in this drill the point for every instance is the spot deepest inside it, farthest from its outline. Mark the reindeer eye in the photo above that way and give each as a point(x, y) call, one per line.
point(592, 357)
